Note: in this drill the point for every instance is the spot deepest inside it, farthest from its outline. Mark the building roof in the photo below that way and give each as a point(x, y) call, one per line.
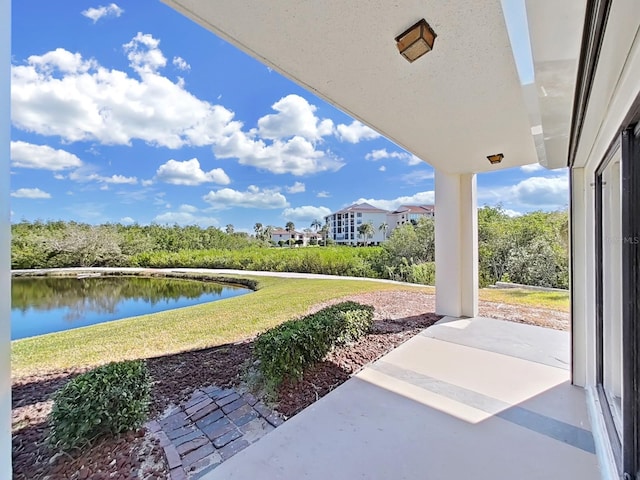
point(361, 207)
point(415, 209)
point(282, 231)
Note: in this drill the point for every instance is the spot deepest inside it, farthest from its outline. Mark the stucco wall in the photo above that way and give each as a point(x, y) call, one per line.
point(615, 88)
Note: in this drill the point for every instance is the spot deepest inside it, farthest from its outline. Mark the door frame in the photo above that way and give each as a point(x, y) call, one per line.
point(630, 172)
point(626, 446)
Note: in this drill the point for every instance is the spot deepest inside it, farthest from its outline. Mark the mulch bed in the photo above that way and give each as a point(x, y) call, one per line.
point(340, 364)
point(398, 316)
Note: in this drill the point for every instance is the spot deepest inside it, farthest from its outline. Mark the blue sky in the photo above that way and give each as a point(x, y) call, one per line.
point(130, 112)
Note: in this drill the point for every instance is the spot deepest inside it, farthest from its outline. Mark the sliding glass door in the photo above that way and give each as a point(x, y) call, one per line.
point(618, 297)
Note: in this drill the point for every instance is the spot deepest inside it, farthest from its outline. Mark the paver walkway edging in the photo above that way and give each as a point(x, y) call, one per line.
point(212, 426)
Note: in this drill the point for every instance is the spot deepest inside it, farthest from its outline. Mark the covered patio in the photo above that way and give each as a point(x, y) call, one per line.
point(476, 397)
point(469, 397)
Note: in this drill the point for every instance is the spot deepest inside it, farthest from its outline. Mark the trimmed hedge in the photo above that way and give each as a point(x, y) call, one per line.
point(286, 350)
point(110, 399)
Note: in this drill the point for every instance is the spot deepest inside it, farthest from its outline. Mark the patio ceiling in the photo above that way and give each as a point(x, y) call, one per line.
point(452, 107)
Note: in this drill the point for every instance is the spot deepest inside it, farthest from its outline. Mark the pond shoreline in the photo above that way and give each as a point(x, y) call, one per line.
point(46, 304)
point(99, 272)
point(206, 271)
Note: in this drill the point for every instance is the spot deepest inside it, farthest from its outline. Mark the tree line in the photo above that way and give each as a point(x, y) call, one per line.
point(531, 249)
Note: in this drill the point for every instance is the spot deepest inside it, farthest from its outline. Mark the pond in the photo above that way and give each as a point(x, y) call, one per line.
point(42, 305)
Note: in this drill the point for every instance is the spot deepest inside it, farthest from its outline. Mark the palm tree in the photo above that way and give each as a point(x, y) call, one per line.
point(290, 227)
point(324, 233)
point(383, 228)
point(267, 232)
point(316, 225)
point(229, 229)
point(367, 231)
point(258, 229)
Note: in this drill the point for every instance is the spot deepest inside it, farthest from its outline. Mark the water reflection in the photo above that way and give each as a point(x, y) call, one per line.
point(47, 304)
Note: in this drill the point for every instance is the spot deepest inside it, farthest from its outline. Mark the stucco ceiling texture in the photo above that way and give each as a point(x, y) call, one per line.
point(451, 108)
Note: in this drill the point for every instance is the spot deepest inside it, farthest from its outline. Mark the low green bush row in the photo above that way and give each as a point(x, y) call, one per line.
point(108, 400)
point(286, 350)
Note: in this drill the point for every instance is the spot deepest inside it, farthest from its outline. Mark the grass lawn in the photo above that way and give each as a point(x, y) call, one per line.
point(217, 323)
point(531, 298)
point(190, 328)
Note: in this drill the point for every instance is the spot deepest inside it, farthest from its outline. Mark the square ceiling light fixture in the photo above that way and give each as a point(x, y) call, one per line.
point(494, 159)
point(416, 41)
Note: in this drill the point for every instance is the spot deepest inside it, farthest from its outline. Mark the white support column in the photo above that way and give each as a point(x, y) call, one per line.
point(5, 241)
point(582, 258)
point(578, 264)
point(456, 245)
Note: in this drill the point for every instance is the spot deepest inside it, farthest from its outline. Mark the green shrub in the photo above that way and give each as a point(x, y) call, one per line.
point(286, 350)
point(111, 399)
point(423, 273)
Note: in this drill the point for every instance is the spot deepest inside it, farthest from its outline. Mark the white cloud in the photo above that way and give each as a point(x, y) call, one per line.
point(119, 179)
point(297, 187)
point(295, 117)
point(382, 168)
point(86, 175)
point(185, 218)
point(253, 197)
point(407, 158)
point(512, 213)
point(143, 54)
point(284, 142)
point(418, 176)
point(534, 167)
point(420, 198)
point(190, 173)
point(323, 194)
point(181, 64)
point(185, 215)
point(306, 213)
point(297, 156)
point(28, 155)
point(541, 191)
point(96, 13)
point(146, 183)
point(31, 193)
point(127, 220)
point(63, 94)
point(549, 193)
point(355, 132)
point(185, 207)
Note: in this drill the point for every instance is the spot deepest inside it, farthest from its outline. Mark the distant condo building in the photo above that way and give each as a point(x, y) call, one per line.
point(343, 224)
point(409, 214)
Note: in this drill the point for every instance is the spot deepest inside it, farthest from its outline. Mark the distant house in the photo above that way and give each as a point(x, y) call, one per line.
point(280, 234)
point(409, 214)
point(307, 238)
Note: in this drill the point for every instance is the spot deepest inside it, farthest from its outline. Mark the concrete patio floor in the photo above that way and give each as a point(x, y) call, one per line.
point(480, 398)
